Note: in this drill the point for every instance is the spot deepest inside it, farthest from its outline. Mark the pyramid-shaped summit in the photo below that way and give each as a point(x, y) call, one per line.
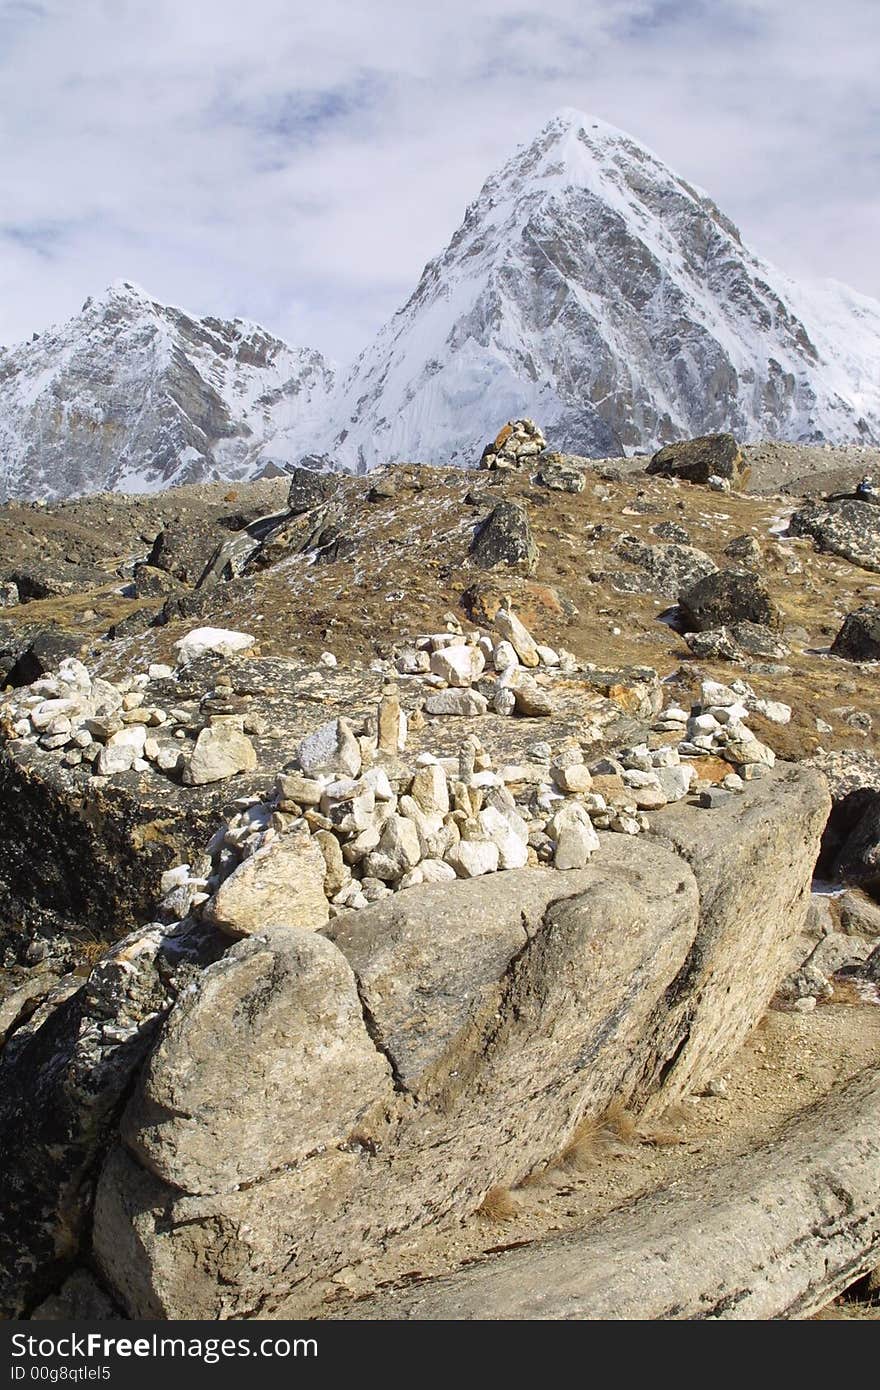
point(592, 288)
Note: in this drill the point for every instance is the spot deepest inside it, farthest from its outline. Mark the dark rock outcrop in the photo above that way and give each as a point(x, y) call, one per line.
point(28, 653)
point(53, 579)
point(309, 489)
point(848, 527)
point(698, 460)
point(185, 549)
point(61, 1088)
point(727, 597)
point(505, 538)
point(859, 637)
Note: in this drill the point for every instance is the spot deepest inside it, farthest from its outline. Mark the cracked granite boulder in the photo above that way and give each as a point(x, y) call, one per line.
point(208, 1116)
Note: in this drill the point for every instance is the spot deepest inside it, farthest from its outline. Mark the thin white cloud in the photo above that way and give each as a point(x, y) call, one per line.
point(298, 164)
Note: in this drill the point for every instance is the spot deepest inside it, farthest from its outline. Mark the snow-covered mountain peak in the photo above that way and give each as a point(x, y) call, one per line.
point(591, 287)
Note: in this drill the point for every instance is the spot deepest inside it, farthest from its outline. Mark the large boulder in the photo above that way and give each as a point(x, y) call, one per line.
point(491, 1070)
point(53, 578)
point(851, 847)
point(229, 560)
point(737, 643)
point(505, 538)
point(207, 1116)
point(859, 637)
point(698, 460)
point(848, 527)
point(508, 1010)
point(216, 641)
point(221, 751)
point(726, 597)
point(425, 965)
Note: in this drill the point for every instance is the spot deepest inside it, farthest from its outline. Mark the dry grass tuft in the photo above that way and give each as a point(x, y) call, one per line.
point(91, 951)
point(498, 1205)
point(611, 1135)
point(844, 1309)
point(621, 1122)
point(614, 1135)
point(586, 1150)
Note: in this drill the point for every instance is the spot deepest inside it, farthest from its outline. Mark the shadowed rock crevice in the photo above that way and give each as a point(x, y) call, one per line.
point(378, 1042)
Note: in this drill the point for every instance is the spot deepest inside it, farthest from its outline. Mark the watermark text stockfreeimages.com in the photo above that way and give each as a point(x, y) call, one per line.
point(97, 1346)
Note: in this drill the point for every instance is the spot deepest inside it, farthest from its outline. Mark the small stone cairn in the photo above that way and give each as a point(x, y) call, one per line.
point(516, 446)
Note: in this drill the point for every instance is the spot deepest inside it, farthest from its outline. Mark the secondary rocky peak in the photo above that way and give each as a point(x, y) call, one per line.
point(135, 395)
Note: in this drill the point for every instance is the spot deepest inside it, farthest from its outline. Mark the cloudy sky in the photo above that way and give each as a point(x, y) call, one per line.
point(298, 163)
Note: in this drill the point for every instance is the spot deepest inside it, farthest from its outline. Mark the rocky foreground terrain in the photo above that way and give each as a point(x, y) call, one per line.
point(423, 890)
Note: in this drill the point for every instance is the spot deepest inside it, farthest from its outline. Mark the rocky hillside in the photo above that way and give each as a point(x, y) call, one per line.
point(592, 287)
point(134, 395)
point(464, 828)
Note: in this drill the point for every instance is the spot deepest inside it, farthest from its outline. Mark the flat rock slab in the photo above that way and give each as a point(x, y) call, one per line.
point(773, 1235)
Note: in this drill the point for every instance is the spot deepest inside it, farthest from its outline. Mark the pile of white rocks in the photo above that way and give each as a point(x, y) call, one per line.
point(507, 672)
point(112, 728)
point(354, 820)
point(517, 445)
point(717, 726)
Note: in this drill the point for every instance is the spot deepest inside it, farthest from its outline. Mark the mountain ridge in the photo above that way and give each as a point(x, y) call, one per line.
point(588, 286)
